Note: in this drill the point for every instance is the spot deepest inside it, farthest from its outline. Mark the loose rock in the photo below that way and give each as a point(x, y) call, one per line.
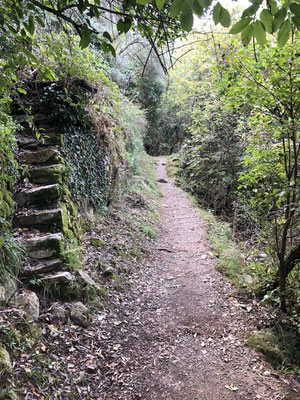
point(80, 314)
point(87, 279)
point(59, 313)
point(29, 302)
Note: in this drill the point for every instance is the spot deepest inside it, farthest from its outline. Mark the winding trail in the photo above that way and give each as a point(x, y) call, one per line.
point(184, 336)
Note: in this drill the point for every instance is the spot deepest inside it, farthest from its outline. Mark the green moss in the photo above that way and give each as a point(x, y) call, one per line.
point(96, 242)
point(72, 255)
point(150, 232)
point(66, 193)
point(3, 359)
point(73, 209)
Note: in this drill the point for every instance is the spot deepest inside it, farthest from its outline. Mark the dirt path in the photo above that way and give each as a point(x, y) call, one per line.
point(182, 339)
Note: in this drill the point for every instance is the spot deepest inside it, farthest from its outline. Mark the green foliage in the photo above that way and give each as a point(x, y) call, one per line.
point(63, 54)
point(280, 345)
point(8, 167)
point(210, 157)
point(8, 164)
point(150, 232)
point(87, 161)
point(158, 21)
point(11, 255)
point(269, 181)
point(72, 255)
point(134, 123)
point(101, 131)
point(149, 89)
point(211, 154)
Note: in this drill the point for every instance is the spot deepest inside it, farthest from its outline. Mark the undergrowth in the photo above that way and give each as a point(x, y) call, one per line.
point(280, 346)
point(11, 254)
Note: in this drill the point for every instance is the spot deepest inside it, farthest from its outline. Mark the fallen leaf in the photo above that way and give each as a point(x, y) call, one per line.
point(232, 388)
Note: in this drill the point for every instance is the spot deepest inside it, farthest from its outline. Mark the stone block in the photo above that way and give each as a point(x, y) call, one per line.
point(40, 247)
point(40, 156)
point(59, 277)
point(48, 174)
point(59, 313)
point(42, 268)
point(42, 195)
point(42, 220)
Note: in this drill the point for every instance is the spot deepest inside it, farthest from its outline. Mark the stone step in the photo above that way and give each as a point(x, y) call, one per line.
point(41, 155)
point(48, 174)
point(42, 220)
point(26, 141)
point(22, 118)
point(49, 135)
point(33, 271)
point(38, 196)
point(59, 277)
point(40, 247)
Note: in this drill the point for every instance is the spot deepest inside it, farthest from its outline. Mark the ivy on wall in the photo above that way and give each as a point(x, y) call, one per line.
point(84, 155)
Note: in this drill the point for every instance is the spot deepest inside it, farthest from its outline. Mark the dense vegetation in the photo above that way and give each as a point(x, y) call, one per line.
point(241, 156)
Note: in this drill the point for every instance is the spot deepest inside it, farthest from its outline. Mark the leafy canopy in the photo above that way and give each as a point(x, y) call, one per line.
point(157, 20)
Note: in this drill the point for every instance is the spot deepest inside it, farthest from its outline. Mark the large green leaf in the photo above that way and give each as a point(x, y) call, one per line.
point(279, 18)
point(225, 19)
point(84, 41)
point(187, 20)
point(197, 8)
point(284, 33)
point(108, 48)
point(120, 26)
point(259, 32)
point(40, 22)
point(247, 35)
point(160, 3)
point(205, 3)
point(85, 37)
point(250, 10)
point(295, 8)
point(127, 24)
point(267, 19)
point(107, 36)
point(216, 13)
point(240, 25)
point(296, 22)
point(272, 4)
point(142, 2)
point(30, 25)
point(175, 8)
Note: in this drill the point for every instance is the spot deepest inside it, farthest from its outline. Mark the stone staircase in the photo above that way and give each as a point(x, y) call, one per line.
point(42, 217)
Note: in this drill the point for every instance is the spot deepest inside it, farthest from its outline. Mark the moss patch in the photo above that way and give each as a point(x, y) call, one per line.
point(96, 242)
